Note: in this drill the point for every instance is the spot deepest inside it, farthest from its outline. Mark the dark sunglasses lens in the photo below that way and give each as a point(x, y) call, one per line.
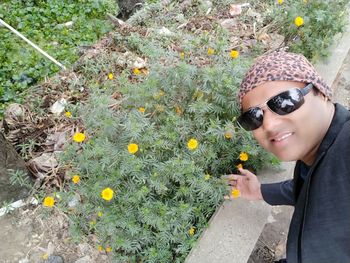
point(286, 102)
point(251, 119)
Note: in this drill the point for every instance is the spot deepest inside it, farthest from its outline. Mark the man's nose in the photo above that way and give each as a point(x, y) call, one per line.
point(271, 120)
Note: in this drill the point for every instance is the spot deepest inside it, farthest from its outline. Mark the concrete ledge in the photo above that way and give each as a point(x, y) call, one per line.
point(329, 68)
point(236, 226)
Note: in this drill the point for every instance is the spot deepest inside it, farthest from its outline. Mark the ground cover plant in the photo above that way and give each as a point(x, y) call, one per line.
point(59, 27)
point(151, 120)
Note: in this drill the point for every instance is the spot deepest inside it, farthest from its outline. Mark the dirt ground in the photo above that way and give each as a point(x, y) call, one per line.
point(30, 236)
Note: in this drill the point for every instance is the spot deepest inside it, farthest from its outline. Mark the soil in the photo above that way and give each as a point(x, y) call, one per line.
point(29, 236)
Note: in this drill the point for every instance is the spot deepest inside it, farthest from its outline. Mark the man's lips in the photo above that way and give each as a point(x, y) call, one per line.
point(281, 137)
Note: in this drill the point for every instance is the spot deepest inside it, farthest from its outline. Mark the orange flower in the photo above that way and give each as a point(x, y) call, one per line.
point(210, 51)
point(107, 194)
point(228, 135)
point(79, 137)
point(49, 201)
point(234, 54)
point(76, 179)
point(133, 148)
point(235, 193)
point(136, 71)
point(243, 156)
point(239, 166)
point(182, 55)
point(192, 144)
point(178, 110)
point(68, 114)
point(191, 231)
point(299, 21)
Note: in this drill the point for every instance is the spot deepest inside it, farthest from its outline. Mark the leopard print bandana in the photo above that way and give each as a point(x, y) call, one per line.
point(284, 66)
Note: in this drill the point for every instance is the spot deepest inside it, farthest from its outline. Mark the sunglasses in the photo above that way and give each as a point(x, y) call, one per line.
point(282, 104)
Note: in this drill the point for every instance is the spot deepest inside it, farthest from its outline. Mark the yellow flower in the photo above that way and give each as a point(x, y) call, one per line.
point(235, 193)
point(305, 1)
point(108, 249)
point(76, 179)
point(239, 166)
point(45, 256)
point(142, 110)
point(234, 54)
point(228, 135)
point(92, 222)
point(243, 156)
point(110, 76)
point(299, 21)
point(99, 214)
point(207, 177)
point(79, 137)
point(210, 51)
point(280, 2)
point(136, 71)
point(68, 114)
point(192, 144)
point(107, 194)
point(182, 55)
point(49, 201)
point(133, 148)
point(191, 231)
point(100, 248)
point(178, 110)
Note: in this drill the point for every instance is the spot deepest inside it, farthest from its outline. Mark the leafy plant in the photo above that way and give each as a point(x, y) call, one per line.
point(162, 153)
point(322, 20)
point(58, 27)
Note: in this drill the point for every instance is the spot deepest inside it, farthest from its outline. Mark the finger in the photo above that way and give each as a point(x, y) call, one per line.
point(226, 197)
point(246, 172)
point(231, 176)
point(232, 183)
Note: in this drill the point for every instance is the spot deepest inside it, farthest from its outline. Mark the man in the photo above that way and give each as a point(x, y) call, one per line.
point(287, 106)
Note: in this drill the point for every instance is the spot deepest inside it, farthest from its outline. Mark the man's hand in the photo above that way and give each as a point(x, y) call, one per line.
point(247, 183)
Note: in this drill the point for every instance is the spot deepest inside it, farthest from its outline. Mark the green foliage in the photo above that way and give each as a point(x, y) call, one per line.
point(323, 19)
point(19, 177)
point(44, 23)
point(165, 189)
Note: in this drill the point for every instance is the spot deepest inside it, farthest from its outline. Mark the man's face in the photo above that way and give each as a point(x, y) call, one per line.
point(295, 136)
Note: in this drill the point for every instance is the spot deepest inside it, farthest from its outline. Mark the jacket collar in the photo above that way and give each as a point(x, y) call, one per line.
point(341, 115)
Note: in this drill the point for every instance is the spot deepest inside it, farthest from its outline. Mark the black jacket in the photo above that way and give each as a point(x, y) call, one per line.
point(320, 228)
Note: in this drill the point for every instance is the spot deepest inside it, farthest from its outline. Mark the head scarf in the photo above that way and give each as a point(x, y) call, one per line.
point(283, 66)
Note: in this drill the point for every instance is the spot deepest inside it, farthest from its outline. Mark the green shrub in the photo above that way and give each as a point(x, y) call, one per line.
point(323, 19)
point(44, 23)
point(165, 193)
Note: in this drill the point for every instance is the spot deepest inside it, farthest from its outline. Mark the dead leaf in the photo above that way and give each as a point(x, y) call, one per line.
point(235, 10)
point(44, 162)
